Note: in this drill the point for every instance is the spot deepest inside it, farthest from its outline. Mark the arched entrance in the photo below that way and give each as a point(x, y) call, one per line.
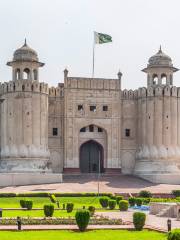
point(91, 157)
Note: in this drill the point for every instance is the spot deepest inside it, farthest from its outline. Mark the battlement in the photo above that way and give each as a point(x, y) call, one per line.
point(57, 91)
point(23, 86)
point(129, 94)
point(159, 91)
point(92, 83)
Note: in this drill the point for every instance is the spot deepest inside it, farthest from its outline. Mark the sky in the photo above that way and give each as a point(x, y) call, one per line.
point(61, 31)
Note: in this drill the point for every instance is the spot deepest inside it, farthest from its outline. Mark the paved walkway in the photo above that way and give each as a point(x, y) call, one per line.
point(64, 227)
point(152, 221)
point(113, 184)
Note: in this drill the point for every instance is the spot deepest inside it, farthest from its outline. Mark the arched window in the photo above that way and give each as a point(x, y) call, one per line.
point(26, 73)
point(35, 75)
point(164, 79)
point(155, 79)
point(17, 74)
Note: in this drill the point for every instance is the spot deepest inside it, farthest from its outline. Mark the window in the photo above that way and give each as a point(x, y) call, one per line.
point(105, 108)
point(93, 108)
point(83, 129)
point(80, 107)
point(55, 131)
point(127, 132)
point(100, 129)
point(91, 128)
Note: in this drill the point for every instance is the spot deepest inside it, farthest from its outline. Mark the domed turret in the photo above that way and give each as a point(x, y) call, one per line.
point(160, 69)
point(160, 59)
point(25, 53)
point(25, 63)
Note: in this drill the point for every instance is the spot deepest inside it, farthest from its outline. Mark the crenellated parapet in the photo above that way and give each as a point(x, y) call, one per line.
point(129, 94)
point(92, 83)
point(24, 86)
point(57, 91)
point(166, 91)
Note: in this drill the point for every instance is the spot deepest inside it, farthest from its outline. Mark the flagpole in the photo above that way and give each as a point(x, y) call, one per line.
point(93, 58)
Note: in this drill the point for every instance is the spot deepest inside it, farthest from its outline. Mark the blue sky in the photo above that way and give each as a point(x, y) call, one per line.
point(61, 31)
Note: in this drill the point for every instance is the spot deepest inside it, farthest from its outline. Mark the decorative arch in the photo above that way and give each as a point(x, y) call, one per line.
point(91, 157)
point(26, 73)
point(164, 79)
point(17, 74)
point(98, 134)
point(155, 79)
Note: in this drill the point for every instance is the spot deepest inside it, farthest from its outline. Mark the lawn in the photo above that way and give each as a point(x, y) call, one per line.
point(71, 235)
point(39, 202)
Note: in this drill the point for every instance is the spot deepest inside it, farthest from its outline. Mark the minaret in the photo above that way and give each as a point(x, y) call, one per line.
point(24, 116)
point(25, 64)
point(158, 150)
point(160, 70)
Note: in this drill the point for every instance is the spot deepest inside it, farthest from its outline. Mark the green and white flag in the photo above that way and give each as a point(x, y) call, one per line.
point(100, 38)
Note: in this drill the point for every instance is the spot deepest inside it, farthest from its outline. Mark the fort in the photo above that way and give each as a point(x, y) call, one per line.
point(88, 125)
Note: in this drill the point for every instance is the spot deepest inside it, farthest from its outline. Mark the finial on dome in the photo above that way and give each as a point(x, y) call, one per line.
point(119, 74)
point(160, 49)
point(25, 42)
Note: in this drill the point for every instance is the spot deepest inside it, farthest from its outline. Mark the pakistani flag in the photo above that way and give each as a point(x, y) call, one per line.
point(100, 38)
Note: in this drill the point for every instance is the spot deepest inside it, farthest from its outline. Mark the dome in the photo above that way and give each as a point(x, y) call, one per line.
point(25, 53)
point(160, 59)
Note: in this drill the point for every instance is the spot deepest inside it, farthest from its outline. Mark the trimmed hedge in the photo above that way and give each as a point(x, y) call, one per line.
point(139, 219)
point(91, 210)
point(145, 194)
point(26, 204)
point(104, 201)
point(82, 219)
point(123, 205)
point(69, 207)
point(138, 201)
point(45, 194)
point(174, 235)
point(49, 210)
point(112, 204)
point(119, 198)
point(176, 193)
point(132, 201)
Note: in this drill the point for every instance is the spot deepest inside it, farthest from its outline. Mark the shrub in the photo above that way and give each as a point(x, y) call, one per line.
point(138, 201)
point(91, 210)
point(132, 201)
point(48, 210)
point(29, 204)
point(145, 194)
point(52, 198)
point(26, 204)
point(22, 203)
point(82, 219)
point(176, 193)
point(123, 205)
point(104, 201)
point(146, 201)
point(69, 207)
point(174, 234)
point(118, 199)
point(139, 219)
point(112, 204)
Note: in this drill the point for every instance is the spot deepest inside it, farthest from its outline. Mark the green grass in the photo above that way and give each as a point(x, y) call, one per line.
point(38, 202)
point(35, 213)
point(71, 235)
